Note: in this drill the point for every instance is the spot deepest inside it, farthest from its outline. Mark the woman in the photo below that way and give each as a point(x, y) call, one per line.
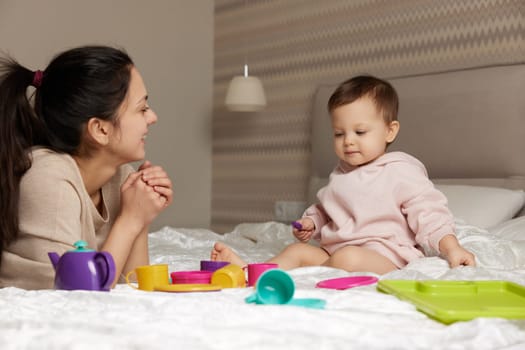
point(64, 163)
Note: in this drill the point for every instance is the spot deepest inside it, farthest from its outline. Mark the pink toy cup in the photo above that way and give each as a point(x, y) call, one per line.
point(256, 269)
point(191, 277)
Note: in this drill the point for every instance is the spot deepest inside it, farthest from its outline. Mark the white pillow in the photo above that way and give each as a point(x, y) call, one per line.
point(482, 206)
point(513, 230)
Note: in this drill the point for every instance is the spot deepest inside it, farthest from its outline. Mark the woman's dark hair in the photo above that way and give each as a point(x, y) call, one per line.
point(380, 91)
point(78, 84)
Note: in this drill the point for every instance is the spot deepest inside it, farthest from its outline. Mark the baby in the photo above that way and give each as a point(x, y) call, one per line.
point(379, 210)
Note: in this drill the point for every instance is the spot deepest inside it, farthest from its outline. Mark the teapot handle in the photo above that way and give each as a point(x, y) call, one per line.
point(107, 264)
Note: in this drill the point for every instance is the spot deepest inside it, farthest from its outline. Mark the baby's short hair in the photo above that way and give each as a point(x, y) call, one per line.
point(380, 91)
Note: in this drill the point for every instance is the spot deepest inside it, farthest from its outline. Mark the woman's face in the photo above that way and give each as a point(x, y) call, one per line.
point(134, 118)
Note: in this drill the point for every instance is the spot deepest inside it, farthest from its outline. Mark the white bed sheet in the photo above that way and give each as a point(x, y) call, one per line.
point(358, 318)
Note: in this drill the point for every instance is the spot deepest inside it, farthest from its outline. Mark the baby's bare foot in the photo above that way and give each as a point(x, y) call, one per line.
point(221, 252)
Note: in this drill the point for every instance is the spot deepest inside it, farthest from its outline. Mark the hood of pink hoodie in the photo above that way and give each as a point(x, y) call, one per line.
point(387, 158)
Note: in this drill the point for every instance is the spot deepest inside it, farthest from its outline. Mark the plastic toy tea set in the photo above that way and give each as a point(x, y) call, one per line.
point(444, 301)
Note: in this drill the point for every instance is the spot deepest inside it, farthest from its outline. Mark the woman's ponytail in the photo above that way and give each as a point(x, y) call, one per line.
point(19, 127)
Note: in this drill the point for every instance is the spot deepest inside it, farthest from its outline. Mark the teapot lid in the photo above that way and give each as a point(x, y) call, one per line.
point(81, 247)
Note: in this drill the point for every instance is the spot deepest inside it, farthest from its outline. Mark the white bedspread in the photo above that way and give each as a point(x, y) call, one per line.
point(357, 318)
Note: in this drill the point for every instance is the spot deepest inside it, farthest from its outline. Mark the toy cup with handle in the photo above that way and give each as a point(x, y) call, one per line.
point(149, 276)
point(276, 286)
point(229, 276)
point(257, 269)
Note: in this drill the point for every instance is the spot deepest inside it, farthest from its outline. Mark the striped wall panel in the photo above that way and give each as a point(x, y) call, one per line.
point(294, 45)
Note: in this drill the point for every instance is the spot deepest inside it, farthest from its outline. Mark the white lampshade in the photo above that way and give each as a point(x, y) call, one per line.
point(245, 94)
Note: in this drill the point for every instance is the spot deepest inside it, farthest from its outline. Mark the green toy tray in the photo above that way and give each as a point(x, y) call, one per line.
point(451, 301)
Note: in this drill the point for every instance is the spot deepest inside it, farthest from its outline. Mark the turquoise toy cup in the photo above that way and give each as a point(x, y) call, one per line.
point(274, 286)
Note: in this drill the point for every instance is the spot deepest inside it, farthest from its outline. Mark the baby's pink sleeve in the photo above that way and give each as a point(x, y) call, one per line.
point(425, 208)
point(318, 216)
point(430, 219)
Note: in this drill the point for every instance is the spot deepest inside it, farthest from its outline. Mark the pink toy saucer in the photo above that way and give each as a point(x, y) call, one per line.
point(347, 282)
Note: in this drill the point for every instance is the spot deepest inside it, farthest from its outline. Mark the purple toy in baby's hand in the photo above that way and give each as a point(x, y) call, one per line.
point(297, 225)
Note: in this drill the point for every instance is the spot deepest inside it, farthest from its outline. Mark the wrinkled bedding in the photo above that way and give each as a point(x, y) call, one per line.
point(357, 318)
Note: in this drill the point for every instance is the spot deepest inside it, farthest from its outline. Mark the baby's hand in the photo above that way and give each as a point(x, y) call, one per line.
point(460, 257)
point(303, 229)
point(455, 254)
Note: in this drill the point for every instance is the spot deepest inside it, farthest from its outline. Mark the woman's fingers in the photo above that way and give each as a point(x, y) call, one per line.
point(163, 182)
point(145, 165)
point(153, 171)
point(156, 180)
point(156, 176)
point(165, 192)
point(130, 180)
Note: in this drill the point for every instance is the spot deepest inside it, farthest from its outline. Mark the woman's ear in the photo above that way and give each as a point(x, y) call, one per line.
point(98, 130)
point(393, 129)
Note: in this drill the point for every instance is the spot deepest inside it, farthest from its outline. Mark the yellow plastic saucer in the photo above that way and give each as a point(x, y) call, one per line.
point(186, 288)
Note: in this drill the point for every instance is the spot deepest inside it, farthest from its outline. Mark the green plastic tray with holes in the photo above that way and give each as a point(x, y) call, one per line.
point(451, 301)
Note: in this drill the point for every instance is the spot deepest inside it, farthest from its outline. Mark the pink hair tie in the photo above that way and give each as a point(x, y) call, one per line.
point(37, 79)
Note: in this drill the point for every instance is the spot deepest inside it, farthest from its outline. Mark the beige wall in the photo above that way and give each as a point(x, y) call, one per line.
point(171, 42)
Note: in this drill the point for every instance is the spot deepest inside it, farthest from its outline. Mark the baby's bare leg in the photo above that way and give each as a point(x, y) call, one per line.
point(300, 254)
point(352, 259)
point(294, 255)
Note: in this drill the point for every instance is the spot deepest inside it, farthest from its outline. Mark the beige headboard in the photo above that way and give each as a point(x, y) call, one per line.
point(466, 126)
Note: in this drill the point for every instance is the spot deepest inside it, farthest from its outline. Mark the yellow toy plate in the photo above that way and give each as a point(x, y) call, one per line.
point(186, 288)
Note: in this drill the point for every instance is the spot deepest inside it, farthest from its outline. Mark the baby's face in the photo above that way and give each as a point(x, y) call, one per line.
point(360, 133)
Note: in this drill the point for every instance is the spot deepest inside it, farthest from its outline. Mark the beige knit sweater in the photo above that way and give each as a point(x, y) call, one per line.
point(55, 211)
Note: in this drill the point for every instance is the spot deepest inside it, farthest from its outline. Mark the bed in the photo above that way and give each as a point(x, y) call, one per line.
point(467, 126)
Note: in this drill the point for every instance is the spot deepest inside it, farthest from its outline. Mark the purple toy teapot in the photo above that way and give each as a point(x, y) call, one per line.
point(83, 268)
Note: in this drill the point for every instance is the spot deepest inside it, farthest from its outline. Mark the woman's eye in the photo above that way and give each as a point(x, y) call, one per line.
point(338, 134)
point(360, 132)
point(145, 109)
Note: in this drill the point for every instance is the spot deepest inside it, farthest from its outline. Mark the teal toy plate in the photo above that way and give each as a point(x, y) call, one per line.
point(451, 301)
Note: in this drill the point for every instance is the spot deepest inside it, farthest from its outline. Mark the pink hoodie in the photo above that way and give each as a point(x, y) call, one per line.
point(388, 205)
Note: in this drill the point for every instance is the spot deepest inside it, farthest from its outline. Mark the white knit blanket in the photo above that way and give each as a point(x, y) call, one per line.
point(356, 318)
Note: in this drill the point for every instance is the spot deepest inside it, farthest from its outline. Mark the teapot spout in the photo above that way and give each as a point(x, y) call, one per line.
point(54, 259)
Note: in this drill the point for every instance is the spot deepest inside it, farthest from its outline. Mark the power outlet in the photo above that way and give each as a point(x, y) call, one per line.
point(288, 211)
